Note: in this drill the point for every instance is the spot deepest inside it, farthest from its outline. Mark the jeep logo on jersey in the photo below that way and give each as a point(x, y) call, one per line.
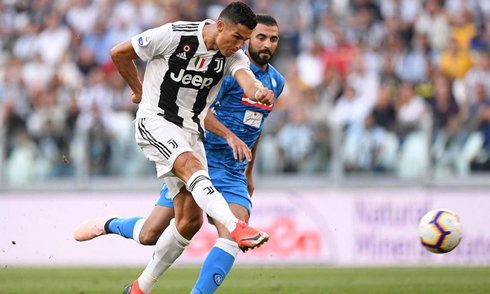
point(194, 80)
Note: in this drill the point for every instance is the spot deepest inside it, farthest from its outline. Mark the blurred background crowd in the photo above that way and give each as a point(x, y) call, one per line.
point(395, 85)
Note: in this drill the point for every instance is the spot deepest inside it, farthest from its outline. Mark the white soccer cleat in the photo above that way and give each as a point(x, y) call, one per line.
point(92, 228)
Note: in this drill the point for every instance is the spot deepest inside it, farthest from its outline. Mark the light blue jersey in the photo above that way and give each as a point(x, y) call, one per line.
point(241, 115)
point(245, 119)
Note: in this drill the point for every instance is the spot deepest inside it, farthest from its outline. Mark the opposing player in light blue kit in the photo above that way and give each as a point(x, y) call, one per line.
point(236, 120)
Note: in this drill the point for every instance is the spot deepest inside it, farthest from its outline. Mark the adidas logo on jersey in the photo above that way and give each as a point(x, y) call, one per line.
point(182, 55)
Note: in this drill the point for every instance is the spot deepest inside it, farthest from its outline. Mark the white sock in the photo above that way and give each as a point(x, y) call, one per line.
point(137, 230)
point(169, 247)
point(210, 200)
point(228, 246)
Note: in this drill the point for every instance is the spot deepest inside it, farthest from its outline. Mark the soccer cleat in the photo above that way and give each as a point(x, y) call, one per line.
point(92, 228)
point(134, 288)
point(248, 237)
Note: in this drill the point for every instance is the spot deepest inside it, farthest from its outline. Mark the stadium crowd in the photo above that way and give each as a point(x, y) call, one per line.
point(407, 82)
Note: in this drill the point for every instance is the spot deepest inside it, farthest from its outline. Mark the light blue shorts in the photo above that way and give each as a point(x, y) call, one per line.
point(233, 187)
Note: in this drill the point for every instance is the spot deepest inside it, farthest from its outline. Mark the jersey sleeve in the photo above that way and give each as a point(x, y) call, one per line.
point(237, 61)
point(281, 87)
point(152, 42)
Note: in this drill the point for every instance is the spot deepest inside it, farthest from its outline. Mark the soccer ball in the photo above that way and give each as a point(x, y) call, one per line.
point(440, 230)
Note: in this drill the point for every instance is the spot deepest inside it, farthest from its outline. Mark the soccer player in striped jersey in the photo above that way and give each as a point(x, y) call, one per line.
point(230, 174)
point(186, 63)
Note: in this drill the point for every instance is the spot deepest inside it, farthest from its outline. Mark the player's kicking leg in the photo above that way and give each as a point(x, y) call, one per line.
point(188, 168)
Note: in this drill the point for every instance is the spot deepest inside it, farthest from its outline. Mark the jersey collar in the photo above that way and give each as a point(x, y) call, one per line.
point(257, 70)
point(200, 36)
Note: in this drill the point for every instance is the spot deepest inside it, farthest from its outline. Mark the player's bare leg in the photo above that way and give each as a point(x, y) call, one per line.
point(188, 215)
point(155, 224)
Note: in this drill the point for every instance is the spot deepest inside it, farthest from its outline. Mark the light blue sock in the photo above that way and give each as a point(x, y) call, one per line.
point(122, 226)
point(217, 265)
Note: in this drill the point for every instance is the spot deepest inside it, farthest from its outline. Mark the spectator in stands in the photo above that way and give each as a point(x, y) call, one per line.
point(411, 110)
point(481, 42)
point(295, 140)
point(433, 22)
point(82, 16)
point(412, 63)
point(478, 75)
point(388, 76)
point(54, 40)
point(479, 116)
point(464, 29)
point(413, 121)
point(37, 75)
point(339, 56)
point(14, 101)
point(447, 130)
point(373, 145)
point(455, 61)
point(350, 109)
point(48, 128)
point(310, 66)
point(325, 31)
point(97, 41)
point(469, 150)
point(364, 81)
point(24, 162)
point(27, 45)
point(370, 6)
point(365, 28)
point(444, 107)
point(405, 11)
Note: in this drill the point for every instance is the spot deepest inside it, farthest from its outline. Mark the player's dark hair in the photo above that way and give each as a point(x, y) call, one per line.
point(266, 19)
point(239, 13)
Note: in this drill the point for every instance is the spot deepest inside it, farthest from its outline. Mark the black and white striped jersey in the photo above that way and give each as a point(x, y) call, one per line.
point(182, 77)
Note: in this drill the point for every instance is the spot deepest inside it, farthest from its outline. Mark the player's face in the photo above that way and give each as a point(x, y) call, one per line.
point(263, 44)
point(231, 37)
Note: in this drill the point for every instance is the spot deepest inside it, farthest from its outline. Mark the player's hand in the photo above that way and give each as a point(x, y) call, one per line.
point(240, 149)
point(135, 99)
point(265, 96)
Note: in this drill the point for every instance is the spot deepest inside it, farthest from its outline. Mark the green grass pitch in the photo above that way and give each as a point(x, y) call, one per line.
point(255, 280)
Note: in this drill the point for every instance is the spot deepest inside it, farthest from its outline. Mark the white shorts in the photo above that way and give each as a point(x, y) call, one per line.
point(162, 142)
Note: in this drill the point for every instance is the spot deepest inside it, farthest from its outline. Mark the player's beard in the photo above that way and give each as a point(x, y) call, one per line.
point(255, 55)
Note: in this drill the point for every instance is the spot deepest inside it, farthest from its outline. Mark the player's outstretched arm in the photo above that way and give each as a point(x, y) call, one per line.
point(253, 88)
point(122, 55)
point(240, 149)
